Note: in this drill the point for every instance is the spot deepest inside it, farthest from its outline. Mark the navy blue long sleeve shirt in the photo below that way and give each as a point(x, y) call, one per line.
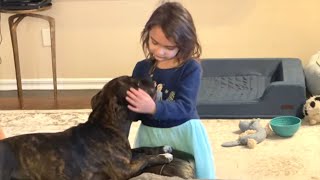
point(177, 90)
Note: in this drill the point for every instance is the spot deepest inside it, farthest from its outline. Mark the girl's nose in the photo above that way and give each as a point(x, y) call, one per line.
point(160, 51)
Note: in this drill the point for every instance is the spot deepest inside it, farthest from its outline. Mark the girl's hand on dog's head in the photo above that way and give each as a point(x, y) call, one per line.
point(140, 102)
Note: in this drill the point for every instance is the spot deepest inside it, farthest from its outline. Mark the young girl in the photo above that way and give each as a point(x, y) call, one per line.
point(170, 43)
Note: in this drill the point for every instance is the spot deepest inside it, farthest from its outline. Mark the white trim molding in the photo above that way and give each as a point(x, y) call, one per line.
point(47, 84)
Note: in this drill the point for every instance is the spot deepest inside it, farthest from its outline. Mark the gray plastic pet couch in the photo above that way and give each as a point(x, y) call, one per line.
point(251, 88)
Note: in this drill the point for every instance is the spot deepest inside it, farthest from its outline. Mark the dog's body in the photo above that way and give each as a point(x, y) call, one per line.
point(97, 149)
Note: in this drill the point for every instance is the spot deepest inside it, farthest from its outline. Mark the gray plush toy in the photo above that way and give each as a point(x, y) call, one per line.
point(252, 134)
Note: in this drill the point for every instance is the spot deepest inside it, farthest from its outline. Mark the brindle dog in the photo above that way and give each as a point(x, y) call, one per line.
point(97, 149)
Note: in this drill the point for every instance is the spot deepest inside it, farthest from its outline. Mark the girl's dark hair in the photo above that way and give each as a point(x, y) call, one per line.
point(176, 23)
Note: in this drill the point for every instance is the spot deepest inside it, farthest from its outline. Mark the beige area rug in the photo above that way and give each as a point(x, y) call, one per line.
point(297, 157)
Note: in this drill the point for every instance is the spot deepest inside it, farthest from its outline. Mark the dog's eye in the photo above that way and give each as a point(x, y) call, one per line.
point(313, 104)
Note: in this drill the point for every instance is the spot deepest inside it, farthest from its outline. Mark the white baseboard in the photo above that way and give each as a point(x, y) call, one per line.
point(46, 84)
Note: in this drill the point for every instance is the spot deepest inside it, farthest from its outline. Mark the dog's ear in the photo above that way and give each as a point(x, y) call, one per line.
point(105, 110)
point(112, 108)
point(95, 100)
point(123, 86)
point(115, 110)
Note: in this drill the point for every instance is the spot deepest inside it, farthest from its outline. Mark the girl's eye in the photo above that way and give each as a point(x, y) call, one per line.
point(171, 48)
point(154, 42)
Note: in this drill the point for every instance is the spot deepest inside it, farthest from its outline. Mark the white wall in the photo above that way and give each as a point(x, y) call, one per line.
point(101, 38)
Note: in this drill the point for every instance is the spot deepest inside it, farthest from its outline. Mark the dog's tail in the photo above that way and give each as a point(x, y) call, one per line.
point(231, 144)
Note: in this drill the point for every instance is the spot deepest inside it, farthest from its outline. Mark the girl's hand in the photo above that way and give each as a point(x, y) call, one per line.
point(140, 102)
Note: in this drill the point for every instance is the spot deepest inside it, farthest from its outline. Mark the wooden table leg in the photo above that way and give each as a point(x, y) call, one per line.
point(53, 56)
point(14, 20)
point(13, 23)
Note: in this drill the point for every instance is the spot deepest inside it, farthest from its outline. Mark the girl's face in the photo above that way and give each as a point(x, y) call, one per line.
point(160, 47)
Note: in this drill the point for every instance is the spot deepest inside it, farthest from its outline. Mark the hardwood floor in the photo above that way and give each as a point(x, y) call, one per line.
point(43, 99)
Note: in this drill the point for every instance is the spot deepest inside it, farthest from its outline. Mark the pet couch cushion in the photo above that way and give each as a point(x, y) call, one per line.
point(234, 88)
point(249, 88)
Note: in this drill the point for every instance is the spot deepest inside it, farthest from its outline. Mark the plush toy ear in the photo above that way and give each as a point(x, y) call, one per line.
point(317, 98)
point(244, 125)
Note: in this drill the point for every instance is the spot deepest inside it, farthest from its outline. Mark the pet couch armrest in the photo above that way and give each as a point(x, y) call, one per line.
point(292, 71)
point(280, 90)
point(290, 74)
point(288, 95)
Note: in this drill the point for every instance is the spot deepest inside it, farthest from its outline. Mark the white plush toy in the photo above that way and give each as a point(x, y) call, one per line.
point(312, 73)
point(311, 110)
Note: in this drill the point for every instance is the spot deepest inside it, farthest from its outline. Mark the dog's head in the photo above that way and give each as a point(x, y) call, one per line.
point(110, 103)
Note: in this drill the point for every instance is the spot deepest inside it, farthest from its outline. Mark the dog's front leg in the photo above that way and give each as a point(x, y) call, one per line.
point(141, 161)
point(152, 150)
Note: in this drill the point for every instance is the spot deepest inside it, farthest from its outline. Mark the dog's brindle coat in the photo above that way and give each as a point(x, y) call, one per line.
point(97, 149)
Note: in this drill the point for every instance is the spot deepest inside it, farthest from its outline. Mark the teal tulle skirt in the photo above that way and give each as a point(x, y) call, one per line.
point(190, 137)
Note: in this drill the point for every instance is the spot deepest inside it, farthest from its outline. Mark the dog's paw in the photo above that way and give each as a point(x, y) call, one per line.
point(168, 157)
point(167, 149)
